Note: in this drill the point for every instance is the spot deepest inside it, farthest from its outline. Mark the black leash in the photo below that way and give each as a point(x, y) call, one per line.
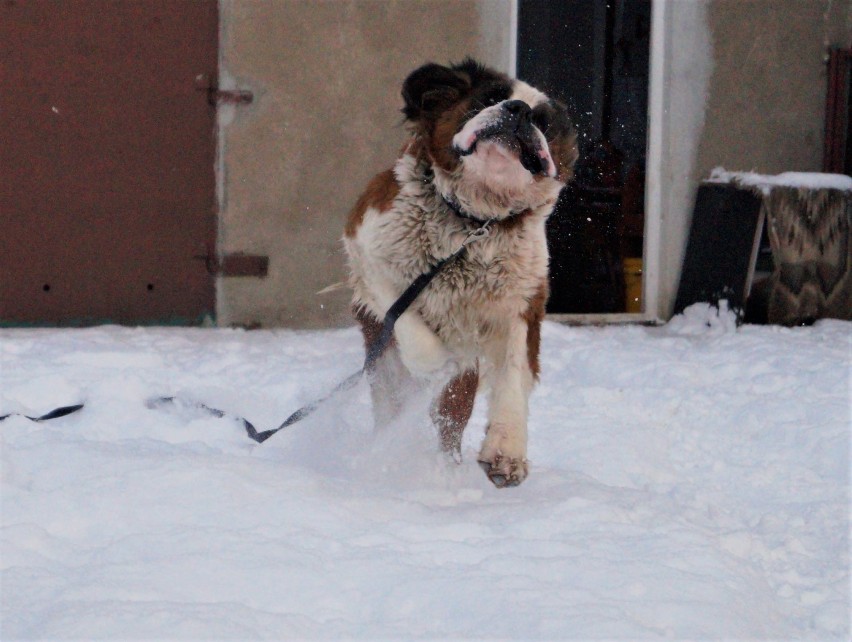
point(373, 353)
point(376, 349)
point(416, 287)
point(53, 414)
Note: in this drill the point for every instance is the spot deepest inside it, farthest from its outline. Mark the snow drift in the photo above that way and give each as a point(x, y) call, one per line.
point(690, 481)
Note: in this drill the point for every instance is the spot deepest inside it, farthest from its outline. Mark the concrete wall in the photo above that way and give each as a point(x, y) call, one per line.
point(745, 84)
point(326, 76)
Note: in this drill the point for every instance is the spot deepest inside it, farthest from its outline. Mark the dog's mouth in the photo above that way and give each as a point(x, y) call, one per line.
point(516, 134)
point(532, 157)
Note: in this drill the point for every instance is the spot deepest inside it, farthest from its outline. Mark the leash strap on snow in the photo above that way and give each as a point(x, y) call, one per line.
point(53, 414)
point(251, 431)
point(375, 351)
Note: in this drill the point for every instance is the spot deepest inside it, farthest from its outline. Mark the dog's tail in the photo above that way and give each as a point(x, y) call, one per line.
point(334, 287)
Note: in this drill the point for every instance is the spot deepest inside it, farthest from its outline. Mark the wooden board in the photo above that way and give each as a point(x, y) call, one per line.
point(722, 247)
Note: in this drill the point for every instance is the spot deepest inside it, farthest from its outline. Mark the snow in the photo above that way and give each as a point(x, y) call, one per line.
point(687, 482)
point(765, 182)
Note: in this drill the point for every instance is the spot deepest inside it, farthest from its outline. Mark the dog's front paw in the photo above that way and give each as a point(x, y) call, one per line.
point(503, 456)
point(505, 471)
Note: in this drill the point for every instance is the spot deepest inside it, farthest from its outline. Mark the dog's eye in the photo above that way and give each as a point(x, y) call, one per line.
point(541, 119)
point(493, 95)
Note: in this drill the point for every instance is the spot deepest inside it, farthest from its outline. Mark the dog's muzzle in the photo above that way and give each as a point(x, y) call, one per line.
point(511, 127)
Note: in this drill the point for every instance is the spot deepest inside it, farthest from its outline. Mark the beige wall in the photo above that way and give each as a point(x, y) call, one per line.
point(766, 99)
point(745, 89)
point(326, 76)
point(743, 86)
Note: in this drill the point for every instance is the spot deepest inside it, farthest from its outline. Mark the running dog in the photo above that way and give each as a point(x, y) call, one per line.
point(484, 150)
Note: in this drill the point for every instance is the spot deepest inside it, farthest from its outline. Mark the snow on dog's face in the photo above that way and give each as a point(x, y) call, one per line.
point(489, 135)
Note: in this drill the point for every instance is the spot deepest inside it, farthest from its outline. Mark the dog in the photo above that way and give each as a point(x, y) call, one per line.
point(483, 150)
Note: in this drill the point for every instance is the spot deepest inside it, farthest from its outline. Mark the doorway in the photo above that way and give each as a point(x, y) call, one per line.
point(594, 56)
point(108, 183)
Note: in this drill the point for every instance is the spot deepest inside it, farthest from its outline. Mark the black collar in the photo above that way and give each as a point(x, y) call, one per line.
point(458, 211)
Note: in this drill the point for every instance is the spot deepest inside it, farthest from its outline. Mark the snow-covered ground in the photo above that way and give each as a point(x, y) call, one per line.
point(689, 481)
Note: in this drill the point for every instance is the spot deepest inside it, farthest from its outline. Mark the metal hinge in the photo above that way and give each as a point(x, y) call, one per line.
point(216, 96)
point(235, 264)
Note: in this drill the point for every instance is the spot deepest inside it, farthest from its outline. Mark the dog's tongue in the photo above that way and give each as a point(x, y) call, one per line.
point(537, 160)
point(534, 156)
point(530, 160)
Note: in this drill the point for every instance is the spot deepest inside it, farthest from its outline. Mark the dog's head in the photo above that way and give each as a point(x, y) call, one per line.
point(495, 143)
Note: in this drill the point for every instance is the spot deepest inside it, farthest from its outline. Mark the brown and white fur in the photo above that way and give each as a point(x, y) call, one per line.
point(482, 147)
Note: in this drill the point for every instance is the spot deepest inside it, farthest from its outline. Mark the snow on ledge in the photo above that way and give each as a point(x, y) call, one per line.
point(765, 182)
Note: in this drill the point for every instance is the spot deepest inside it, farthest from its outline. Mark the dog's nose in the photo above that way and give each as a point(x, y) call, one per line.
point(517, 108)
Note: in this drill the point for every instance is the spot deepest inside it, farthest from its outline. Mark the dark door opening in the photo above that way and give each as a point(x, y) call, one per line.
point(594, 56)
point(108, 161)
point(837, 146)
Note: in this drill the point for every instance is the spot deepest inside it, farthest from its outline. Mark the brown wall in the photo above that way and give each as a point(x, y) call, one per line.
point(326, 76)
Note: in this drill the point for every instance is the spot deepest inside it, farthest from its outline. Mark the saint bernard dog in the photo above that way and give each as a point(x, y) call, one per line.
point(482, 147)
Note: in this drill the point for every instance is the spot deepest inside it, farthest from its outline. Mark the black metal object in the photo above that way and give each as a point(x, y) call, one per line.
point(217, 96)
point(722, 247)
point(238, 264)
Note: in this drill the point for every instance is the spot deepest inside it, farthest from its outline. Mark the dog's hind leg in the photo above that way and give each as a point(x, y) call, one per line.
point(389, 378)
point(452, 408)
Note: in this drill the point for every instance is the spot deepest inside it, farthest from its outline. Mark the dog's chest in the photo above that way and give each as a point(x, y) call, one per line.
point(497, 270)
point(490, 284)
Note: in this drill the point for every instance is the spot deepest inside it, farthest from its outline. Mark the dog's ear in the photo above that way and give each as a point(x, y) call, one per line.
point(431, 89)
